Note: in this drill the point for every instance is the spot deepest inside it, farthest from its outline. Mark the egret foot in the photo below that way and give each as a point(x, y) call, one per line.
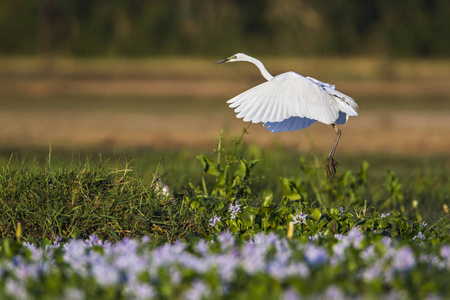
point(330, 166)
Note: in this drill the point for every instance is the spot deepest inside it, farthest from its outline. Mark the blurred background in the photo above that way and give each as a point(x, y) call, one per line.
point(115, 75)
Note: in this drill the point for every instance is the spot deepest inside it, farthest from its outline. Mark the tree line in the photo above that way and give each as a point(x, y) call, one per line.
point(401, 28)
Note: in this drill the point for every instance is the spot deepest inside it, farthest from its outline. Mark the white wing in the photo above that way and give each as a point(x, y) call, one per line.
point(297, 123)
point(347, 104)
point(291, 124)
point(289, 95)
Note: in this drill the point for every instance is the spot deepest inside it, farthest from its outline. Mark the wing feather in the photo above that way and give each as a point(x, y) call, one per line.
point(291, 124)
point(290, 101)
point(346, 103)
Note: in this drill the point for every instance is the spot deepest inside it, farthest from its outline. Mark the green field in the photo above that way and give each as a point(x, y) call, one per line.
point(82, 142)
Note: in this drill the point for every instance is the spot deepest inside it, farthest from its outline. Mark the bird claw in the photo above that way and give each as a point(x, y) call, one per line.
point(330, 166)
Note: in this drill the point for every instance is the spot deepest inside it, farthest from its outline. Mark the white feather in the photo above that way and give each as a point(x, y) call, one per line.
point(291, 124)
point(290, 95)
point(290, 101)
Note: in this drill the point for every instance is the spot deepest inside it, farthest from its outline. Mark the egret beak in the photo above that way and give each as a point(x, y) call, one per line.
point(221, 61)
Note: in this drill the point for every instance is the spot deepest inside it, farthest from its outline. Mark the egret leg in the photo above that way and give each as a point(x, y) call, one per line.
point(331, 164)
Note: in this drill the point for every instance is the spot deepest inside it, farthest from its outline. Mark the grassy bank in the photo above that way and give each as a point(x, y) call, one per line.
point(113, 195)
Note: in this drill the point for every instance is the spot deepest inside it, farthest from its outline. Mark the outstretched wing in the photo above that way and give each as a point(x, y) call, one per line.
point(297, 123)
point(288, 95)
point(347, 104)
point(290, 124)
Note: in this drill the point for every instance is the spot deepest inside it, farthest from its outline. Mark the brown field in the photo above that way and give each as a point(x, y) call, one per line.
point(169, 103)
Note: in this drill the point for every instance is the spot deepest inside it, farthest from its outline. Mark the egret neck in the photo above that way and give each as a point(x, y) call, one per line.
point(260, 66)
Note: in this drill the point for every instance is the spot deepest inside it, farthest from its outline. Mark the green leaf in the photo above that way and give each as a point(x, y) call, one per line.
point(290, 189)
point(249, 216)
point(243, 170)
point(222, 179)
point(267, 198)
point(362, 174)
point(315, 214)
point(252, 163)
point(209, 166)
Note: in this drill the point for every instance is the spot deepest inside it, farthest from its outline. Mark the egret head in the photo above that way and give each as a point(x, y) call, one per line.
point(233, 58)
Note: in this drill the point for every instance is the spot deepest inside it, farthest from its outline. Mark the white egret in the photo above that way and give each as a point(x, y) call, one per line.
point(290, 102)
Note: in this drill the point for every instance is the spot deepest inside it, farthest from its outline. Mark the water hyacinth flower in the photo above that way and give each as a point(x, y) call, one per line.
point(74, 294)
point(213, 221)
point(420, 235)
point(383, 215)
point(94, 240)
point(234, 209)
point(138, 291)
point(105, 274)
point(134, 268)
point(403, 260)
point(202, 247)
point(313, 238)
point(333, 292)
point(58, 240)
point(316, 236)
point(16, 289)
point(226, 240)
point(291, 295)
point(198, 291)
point(445, 254)
point(300, 218)
point(373, 272)
point(315, 255)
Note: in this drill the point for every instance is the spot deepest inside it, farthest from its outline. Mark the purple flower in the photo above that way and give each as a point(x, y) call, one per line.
point(198, 290)
point(445, 254)
point(368, 253)
point(341, 210)
point(300, 218)
point(213, 221)
point(383, 215)
point(138, 291)
point(226, 240)
point(315, 255)
point(234, 209)
point(16, 289)
point(373, 272)
point(74, 294)
point(252, 257)
point(333, 292)
point(105, 274)
point(94, 240)
point(404, 259)
point(291, 295)
point(202, 247)
point(420, 235)
point(58, 241)
point(313, 238)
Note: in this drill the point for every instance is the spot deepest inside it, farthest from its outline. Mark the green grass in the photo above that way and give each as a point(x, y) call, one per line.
point(112, 194)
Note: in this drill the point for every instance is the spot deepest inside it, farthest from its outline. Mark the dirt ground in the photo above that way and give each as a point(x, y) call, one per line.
point(97, 107)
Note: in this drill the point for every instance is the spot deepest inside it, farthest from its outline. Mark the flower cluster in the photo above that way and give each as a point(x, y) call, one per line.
point(213, 221)
point(383, 215)
point(300, 218)
point(234, 209)
point(355, 265)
